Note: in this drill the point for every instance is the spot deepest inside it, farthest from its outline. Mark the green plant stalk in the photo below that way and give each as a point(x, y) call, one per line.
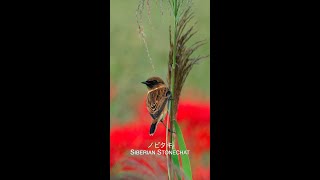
point(168, 159)
point(172, 115)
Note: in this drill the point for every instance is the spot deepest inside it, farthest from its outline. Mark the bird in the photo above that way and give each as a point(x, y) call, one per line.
point(157, 99)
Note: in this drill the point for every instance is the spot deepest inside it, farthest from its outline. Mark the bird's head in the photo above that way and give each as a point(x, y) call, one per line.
point(153, 82)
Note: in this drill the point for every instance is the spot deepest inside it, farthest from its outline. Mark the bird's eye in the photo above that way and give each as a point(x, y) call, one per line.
point(155, 81)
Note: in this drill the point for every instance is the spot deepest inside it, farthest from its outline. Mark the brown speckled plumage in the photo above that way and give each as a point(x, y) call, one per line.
point(157, 100)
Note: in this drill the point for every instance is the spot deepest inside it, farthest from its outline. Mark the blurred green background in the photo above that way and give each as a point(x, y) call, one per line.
point(129, 62)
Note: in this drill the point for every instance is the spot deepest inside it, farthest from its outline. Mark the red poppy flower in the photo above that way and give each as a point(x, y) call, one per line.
point(194, 120)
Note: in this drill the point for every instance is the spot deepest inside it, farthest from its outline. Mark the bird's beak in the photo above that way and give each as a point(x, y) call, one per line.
point(144, 83)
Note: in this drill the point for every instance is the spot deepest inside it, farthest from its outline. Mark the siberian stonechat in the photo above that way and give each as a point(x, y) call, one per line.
point(157, 100)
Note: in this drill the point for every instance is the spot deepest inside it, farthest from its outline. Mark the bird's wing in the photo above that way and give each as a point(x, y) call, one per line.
point(156, 101)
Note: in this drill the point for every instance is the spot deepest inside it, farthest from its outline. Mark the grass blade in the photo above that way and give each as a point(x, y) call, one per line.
point(175, 159)
point(184, 157)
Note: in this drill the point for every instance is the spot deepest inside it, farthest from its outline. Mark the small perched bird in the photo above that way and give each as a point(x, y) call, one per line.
point(157, 98)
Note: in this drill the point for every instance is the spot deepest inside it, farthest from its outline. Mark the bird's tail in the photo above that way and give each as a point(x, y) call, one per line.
point(153, 128)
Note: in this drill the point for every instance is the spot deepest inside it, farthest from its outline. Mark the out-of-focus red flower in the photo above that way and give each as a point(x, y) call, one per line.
point(194, 112)
point(201, 173)
point(194, 120)
point(134, 136)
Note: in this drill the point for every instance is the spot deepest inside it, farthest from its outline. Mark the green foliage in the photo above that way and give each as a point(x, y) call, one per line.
point(184, 157)
point(175, 159)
